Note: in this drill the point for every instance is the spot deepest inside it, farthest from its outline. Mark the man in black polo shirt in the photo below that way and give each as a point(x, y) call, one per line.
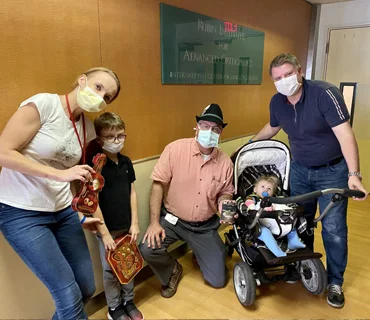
point(324, 152)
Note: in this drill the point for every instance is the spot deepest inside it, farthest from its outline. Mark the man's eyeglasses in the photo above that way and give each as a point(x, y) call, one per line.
point(112, 139)
point(205, 126)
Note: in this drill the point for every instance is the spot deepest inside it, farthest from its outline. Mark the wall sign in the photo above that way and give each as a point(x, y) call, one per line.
point(197, 49)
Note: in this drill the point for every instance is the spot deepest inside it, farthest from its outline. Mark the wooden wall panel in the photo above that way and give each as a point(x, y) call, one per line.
point(46, 44)
point(156, 114)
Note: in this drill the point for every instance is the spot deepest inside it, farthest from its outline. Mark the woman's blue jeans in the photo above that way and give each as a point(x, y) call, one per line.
point(54, 247)
point(304, 179)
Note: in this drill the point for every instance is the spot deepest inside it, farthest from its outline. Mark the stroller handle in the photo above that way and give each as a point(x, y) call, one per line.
point(345, 192)
point(316, 194)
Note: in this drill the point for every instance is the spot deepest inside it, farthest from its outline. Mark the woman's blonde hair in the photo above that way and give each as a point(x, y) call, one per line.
point(108, 121)
point(109, 71)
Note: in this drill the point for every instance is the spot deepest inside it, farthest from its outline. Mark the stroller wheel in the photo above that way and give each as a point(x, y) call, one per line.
point(313, 275)
point(244, 283)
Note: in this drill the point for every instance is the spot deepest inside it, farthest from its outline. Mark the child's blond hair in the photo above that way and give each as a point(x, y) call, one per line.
point(273, 179)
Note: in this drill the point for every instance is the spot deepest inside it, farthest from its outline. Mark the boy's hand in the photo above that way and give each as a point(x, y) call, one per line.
point(134, 231)
point(108, 242)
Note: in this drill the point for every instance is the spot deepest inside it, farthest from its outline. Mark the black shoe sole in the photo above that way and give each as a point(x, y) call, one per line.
point(334, 305)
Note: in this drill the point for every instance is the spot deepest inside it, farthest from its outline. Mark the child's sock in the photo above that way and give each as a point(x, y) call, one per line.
point(270, 242)
point(294, 242)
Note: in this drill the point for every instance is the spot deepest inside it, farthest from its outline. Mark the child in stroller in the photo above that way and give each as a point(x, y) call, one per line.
point(259, 265)
point(266, 186)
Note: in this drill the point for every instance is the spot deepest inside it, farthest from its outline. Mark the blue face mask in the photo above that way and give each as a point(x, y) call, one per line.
point(208, 139)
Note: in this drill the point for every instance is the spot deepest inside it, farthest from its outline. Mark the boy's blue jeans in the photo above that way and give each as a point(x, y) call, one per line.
point(304, 179)
point(54, 247)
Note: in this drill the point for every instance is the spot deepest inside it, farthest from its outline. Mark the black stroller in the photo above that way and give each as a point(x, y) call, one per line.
point(259, 265)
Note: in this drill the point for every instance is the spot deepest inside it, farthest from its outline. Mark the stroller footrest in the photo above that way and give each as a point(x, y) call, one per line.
point(299, 255)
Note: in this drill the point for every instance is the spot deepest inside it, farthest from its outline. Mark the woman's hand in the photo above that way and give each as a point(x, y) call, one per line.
point(80, 172)
point(134, 231)
point(89, 223)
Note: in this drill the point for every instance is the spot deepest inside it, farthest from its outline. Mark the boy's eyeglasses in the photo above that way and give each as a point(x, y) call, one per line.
point(205, 126)
point(112, 139)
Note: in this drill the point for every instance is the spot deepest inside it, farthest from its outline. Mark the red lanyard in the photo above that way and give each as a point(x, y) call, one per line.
point(83, 148)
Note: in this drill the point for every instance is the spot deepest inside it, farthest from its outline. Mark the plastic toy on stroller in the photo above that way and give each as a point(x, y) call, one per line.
point(259, 265)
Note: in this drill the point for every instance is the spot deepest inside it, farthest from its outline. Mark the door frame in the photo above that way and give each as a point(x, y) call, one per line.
point(327, 42)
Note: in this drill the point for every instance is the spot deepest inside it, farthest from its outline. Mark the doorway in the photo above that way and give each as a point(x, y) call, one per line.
point(348, 61)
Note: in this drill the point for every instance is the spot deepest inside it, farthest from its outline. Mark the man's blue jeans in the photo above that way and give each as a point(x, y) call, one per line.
point(304, 179)
point(54, 247)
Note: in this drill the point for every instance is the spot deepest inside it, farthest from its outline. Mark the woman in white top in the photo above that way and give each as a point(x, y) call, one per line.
point(40, 150)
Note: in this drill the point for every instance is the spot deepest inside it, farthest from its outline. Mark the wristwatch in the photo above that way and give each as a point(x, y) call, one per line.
point(355, 173)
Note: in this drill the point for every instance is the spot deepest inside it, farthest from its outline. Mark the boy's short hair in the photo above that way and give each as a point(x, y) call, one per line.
point(273, 179)
point(110, 121)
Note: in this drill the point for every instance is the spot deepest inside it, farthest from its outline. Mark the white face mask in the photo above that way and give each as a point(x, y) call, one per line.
point(112, 147)
point(288, 86)
point(89, 100)
point(208, 138)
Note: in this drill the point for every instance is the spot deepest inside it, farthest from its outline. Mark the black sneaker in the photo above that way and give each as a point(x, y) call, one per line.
point(291, 274)
point(335, 296)
point(117, 314)
point(133, 311)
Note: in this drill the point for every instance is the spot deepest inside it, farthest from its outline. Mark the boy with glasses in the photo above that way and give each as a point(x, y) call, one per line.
point(118, 203)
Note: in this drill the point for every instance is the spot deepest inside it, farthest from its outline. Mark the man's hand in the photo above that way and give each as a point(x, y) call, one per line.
point(108, 242)
point(90, 224)
point(231, 202)
point(154, 233)
point(354, 183)
point(134, 231)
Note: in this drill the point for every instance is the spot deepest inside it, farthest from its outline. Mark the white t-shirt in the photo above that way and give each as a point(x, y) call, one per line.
point(54, 145)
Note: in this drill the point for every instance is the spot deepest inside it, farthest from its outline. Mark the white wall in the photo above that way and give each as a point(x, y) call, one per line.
point(338, 15)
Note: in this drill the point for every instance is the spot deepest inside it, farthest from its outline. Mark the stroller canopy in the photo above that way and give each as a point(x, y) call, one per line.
point(263, 157)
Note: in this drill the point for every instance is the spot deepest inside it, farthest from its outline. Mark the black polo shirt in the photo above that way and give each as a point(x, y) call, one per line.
point(114, 198)
point(309, 123)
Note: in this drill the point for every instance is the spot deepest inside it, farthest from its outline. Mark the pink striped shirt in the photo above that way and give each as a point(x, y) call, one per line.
point(193, 185)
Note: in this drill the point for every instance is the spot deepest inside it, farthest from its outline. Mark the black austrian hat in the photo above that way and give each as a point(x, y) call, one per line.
point(212, 113)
